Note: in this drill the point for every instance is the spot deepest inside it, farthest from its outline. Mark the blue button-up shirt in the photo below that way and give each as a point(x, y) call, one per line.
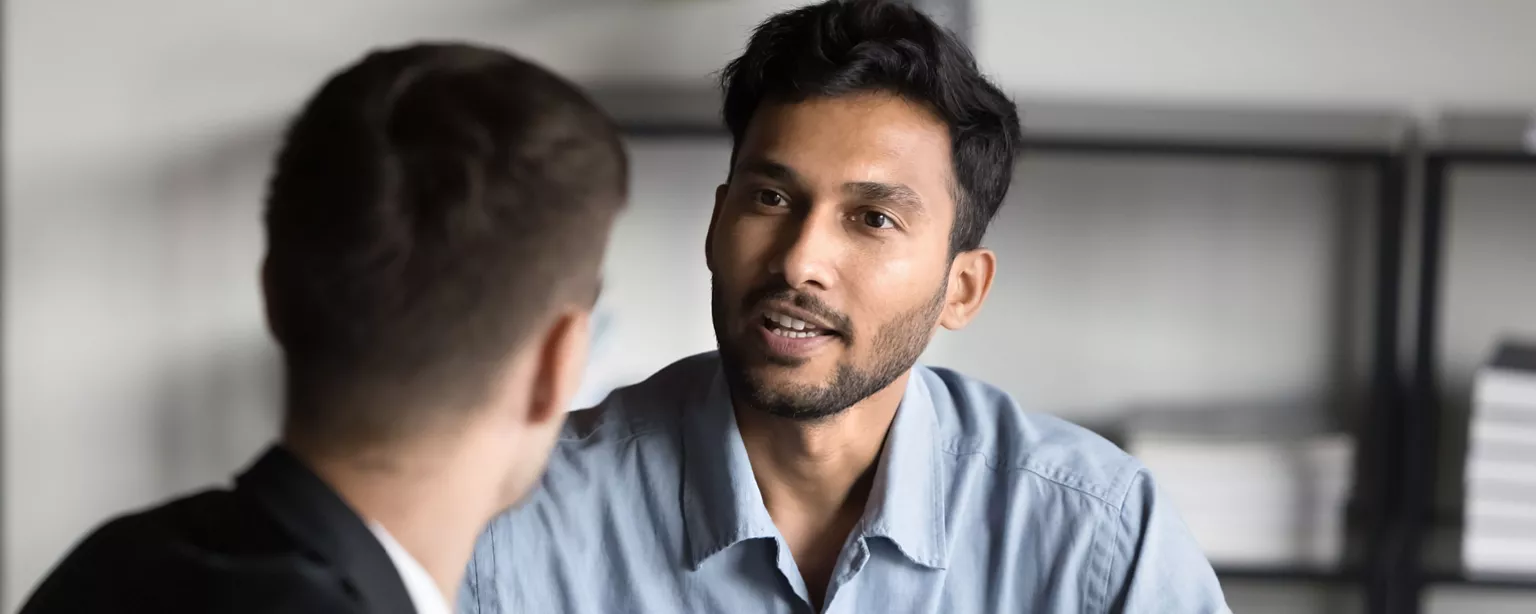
point(649, 505)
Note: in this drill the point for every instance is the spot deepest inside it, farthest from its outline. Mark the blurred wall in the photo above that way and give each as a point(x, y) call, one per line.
point(136, 361)
point(1417, 53)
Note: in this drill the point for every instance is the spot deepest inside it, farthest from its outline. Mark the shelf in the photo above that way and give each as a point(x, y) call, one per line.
point(1494, 581)
point(1298, 573)
point(1085, 125)
point(1507, 137)
point(677, 110)
point(691, 110)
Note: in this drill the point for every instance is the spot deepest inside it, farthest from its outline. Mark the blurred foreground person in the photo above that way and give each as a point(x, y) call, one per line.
point(809, 466)
point(435, 224)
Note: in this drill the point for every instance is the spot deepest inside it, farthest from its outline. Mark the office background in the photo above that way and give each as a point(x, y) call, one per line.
point(137, 138)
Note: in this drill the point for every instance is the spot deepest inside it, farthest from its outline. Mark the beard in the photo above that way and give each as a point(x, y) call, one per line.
point(894, 348)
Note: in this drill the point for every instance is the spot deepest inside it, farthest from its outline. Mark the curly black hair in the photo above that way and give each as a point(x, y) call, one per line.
point(841, 47)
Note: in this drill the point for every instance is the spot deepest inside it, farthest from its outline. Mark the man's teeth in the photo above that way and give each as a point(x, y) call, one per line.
point(785, 326)
point(788, 322)
point(792, 334)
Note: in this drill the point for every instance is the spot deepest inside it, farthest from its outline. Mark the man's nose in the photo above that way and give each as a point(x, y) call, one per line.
point(810, 248)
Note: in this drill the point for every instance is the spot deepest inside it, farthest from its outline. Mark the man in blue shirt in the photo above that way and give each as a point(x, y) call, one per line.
point(809, 466)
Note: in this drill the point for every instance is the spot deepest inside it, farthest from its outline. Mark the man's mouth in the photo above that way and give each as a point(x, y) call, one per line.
point(790, 327)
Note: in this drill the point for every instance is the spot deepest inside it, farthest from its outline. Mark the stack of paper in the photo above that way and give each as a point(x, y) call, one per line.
point(1255, 501)
point(1500, 534)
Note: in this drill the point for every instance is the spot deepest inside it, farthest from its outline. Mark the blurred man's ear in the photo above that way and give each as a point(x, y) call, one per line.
point(709, 237)
point(561, 360)
point(542, 383)
point(268, 299)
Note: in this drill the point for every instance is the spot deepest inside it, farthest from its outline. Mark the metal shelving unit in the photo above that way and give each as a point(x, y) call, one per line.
point(1301, 575)
point(1464, 140)
point(1371, 141)
point(1489, 581)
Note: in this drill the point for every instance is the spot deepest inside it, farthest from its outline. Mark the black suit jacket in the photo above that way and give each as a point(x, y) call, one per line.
point(280, 541)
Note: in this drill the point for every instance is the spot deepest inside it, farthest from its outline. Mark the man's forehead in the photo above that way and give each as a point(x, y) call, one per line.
point(877, 139)
point(870, 122)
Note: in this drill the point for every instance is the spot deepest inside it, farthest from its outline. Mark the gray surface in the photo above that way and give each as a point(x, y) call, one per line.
point(1488, 131)
point(1317, 127)
point(952, 14)
point(1472, 600)
point(1264, 597)
point(671, 104)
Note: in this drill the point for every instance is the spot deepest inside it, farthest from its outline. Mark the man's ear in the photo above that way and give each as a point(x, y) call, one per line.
point(561, 361)
point(970, 279)
point(269, 298)
point(709, 236)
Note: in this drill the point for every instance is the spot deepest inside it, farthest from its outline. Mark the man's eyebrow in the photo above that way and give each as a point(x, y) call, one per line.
point(894, 195)
point(769, 169)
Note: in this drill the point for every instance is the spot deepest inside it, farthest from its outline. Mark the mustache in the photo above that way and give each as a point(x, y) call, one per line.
point(781, 291)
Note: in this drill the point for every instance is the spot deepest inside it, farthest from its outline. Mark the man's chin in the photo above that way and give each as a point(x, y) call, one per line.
point(785, 380)
point(780, 396)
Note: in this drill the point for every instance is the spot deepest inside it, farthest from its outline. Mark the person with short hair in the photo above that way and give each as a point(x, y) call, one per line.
point(810, 465)
point(435, 230)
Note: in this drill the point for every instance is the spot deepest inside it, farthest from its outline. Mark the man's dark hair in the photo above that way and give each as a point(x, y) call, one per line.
point(841, 47)
point(430, 207)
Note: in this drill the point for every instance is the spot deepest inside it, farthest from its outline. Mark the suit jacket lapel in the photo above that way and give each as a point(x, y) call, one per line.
point(321, 521)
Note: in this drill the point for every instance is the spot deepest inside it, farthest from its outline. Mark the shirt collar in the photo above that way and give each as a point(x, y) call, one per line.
point(722, 505)
point(425, 595)
point(721, 502)
point(906, 504)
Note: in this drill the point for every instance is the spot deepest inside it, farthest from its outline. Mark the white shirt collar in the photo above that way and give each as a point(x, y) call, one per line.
point(425, 596)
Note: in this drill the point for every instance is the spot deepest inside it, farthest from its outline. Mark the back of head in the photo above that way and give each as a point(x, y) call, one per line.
point(431, 207)
point(842, 47)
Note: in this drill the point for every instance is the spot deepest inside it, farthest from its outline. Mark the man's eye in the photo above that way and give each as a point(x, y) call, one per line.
point(876, 219)
point(769, 198)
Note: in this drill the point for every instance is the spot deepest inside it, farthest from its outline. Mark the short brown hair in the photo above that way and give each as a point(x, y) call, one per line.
point(429, 207)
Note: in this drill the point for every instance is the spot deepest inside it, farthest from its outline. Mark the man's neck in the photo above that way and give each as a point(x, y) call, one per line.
point(815, 477)
point(816, 464)
point(422, 496)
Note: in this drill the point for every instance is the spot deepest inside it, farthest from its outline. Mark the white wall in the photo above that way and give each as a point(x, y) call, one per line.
point(1131, 284)
point(136, 362)
point(1417, 53)
point(656, 287)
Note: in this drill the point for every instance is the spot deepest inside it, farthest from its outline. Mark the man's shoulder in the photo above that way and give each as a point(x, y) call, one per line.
point(209, 551)
point(655, 404)
point(980, 420)
point(214, 521)
point(634, 430)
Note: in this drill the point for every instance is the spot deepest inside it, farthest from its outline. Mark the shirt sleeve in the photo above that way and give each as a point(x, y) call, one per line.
point(1157, 566)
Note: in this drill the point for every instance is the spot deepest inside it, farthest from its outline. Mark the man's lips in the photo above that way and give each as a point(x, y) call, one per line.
point(787, 316)
point(793, 344)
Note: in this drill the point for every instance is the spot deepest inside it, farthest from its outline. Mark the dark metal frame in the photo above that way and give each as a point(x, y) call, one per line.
point(1420, 452)
point(1383, 523)
point(1380, 440)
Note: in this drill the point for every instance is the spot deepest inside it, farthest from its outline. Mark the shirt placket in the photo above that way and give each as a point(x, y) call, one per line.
point(849, 563)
